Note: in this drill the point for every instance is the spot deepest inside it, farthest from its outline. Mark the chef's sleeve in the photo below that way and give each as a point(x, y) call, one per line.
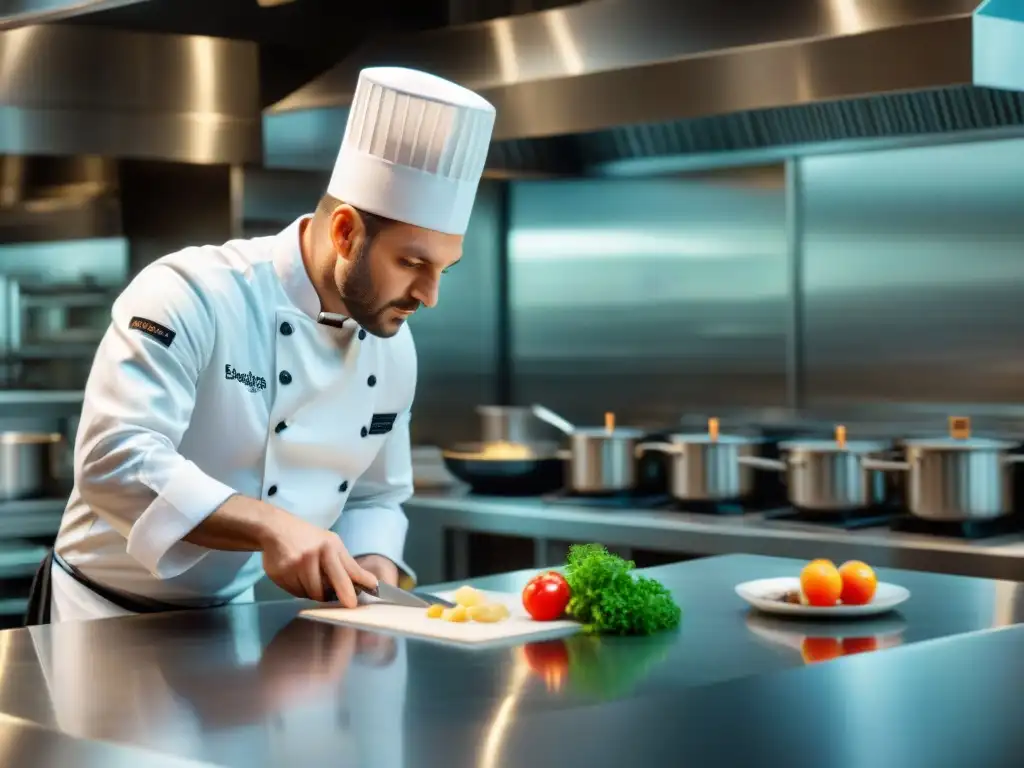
point(138, 404)
point(372, 522)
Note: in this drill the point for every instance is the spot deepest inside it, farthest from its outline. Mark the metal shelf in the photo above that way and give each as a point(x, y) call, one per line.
point(13, 606)
point(41, 397)
point(19, 559)
point(30, 518)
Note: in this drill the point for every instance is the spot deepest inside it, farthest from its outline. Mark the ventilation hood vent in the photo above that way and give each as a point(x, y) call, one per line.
point(69, 90)
point(617, 84)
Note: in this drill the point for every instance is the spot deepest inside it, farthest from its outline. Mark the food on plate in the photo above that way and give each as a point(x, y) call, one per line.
point(794, 597)
point(608, 597)
point(546, 596)
point(467, 597)
point(824, 585)
point(821, 583)
point(470, 605)
point(859, 583)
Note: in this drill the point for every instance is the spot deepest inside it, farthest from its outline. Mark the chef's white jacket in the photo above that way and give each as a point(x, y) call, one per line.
point(214, 378)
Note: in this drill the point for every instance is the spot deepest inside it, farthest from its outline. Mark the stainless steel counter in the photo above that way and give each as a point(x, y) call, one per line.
point(431, 514)
point(255, 686)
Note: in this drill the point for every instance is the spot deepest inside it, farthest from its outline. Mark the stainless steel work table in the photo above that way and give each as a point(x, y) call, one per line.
point(255, 686)
point(431, 514)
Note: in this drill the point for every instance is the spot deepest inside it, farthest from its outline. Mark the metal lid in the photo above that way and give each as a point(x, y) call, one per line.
point(620, 432)
point(966, 444)
point(703, 437)
point(850, 446)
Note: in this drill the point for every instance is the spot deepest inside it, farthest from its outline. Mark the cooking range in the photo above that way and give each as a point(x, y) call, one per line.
point(951, 485)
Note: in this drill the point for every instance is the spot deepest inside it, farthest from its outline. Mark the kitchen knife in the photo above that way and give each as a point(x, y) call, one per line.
point(394, 595)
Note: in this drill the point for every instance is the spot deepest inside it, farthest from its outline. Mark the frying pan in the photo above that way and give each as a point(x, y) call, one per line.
point(542, 471)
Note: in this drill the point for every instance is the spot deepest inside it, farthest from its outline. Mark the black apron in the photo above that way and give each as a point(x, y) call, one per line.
point(38, 611)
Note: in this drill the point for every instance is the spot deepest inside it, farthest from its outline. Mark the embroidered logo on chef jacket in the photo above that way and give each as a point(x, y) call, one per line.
point(161, 333)
point(250, 380)
point(382, 423)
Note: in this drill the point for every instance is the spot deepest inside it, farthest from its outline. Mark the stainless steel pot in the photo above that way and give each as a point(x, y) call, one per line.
point(29, 464)
point(952, 479)
point(513, 424)
point(706, 468)
point(603, 461)
point(827, 476)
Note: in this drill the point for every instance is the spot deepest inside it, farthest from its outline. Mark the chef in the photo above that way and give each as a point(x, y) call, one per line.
point(247, 412)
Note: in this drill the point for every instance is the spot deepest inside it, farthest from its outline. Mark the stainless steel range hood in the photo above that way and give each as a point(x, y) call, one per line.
point(611, 82)
point(20, 13)
point(77, 102)
point(80, 90)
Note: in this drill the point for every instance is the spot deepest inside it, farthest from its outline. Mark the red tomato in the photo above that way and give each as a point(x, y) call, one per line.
point(546, 596)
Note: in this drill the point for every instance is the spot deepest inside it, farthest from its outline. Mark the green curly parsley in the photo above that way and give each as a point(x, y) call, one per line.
point(609, 598)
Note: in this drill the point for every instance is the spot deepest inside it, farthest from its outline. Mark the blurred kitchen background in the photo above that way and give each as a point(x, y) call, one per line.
point(769, 213)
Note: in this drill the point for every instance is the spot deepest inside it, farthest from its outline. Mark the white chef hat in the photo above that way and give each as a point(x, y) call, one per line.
point(414, 149)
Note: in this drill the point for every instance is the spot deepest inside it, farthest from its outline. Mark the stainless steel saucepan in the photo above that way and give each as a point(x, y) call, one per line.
point(706, 466)
point(829, 476)
point(951, 479)
point(601, 460)
point(30, 464)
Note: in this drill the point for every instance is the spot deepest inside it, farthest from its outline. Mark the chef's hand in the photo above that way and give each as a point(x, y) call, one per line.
point(304, 560)
point(381, 567)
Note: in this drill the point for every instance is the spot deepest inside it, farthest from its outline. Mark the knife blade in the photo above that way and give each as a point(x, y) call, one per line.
point(394, 595)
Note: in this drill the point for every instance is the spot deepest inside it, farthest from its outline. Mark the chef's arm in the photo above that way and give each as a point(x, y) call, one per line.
point(372, 522)
point(138, 404)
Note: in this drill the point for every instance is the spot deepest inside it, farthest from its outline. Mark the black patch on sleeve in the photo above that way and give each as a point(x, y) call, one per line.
point(161, 333)
point(381, 423)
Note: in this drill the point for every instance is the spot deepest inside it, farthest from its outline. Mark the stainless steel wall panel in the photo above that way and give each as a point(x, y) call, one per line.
point(914, 275)
point(649, 297)
point(458, 342)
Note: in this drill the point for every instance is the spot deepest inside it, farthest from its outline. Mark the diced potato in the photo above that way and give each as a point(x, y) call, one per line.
point(456, 614)
point(468, 597)
point(434, 611)
point(488, 613)
point(502, 610)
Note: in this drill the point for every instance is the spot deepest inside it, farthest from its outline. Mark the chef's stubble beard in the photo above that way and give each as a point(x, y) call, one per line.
point(361, 297)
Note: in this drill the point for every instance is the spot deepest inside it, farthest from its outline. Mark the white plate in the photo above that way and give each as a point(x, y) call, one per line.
point(762, 595)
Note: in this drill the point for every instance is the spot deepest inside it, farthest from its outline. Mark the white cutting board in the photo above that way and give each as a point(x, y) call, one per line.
point(400, 620)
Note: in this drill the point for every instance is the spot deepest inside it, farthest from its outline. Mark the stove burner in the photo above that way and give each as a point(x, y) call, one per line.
point(712, 507)
point(623, 500)
point(850, 520)
point(963, 529)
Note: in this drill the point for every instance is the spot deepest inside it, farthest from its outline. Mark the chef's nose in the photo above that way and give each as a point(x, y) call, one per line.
point(425, 292)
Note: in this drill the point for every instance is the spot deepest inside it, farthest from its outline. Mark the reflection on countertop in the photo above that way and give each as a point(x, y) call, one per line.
point(254, 685)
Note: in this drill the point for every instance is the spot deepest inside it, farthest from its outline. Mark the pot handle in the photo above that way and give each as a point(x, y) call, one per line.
point(759, 462)
point(660, 447)
point(885, 466)
point(564, 454)
point(1014, 458)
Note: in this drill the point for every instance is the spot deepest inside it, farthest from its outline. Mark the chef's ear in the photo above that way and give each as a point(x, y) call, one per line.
point(347, 230)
